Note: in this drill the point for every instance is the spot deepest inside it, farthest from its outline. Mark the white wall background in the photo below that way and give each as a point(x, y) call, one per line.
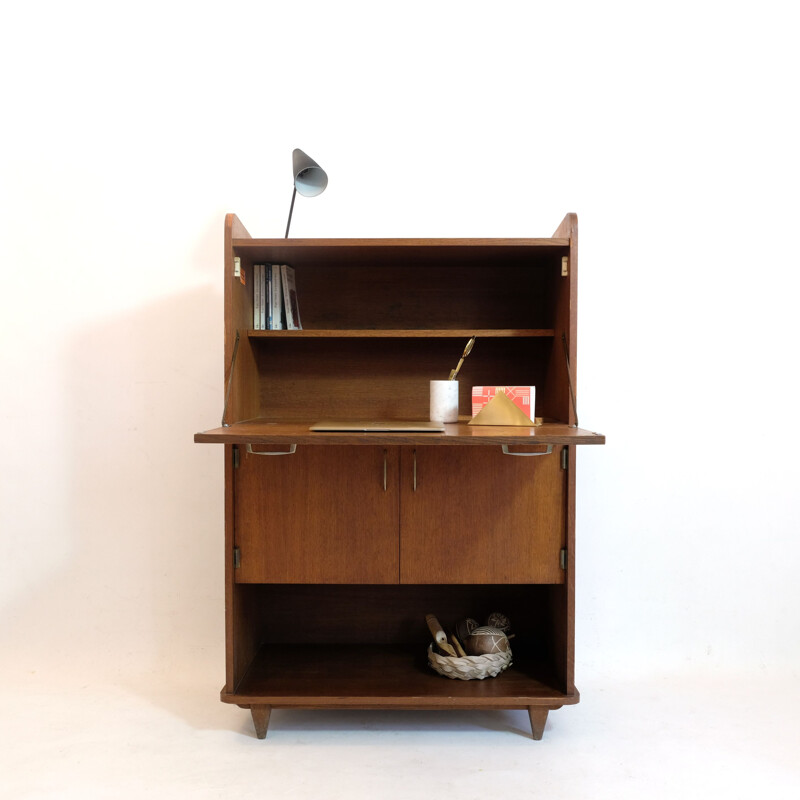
point(671, 129)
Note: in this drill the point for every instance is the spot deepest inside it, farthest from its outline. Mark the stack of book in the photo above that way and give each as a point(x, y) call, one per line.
point(275, 298)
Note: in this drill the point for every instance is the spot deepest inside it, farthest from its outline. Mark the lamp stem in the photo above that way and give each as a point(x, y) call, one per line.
point(291, 208)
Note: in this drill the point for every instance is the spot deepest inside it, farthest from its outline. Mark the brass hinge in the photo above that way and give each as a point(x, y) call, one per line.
point(237, 558)
point(564, 266)
point(564, 457)
point(235, 457)
point(237, 267)
point(563, 558)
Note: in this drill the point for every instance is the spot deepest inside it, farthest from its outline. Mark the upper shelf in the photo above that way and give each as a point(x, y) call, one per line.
point(385, 333)
point(378, 253)
point(457, 433)
point(293, 245)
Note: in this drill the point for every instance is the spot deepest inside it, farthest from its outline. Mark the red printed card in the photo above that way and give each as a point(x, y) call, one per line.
point(524, 397)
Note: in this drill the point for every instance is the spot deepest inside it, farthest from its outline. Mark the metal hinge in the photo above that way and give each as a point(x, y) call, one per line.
point(235, 457)
point(564, 266)
point(564, 457)
point(237, 267)
point(237, 558)
point(563, 558)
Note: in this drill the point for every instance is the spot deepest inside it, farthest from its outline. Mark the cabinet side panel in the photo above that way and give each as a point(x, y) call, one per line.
point(562, 611)
point(230, 614)
point(240, 374)
point(561, 602)
point(242, 625)
point(241, 638)
point(569, 626)
point(555, 399)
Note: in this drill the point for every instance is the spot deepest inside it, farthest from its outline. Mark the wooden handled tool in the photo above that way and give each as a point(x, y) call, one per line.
point(439, 636)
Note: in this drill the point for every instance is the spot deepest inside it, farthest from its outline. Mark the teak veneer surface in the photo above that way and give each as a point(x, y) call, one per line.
point(389, 251)
point(320, 515)
point(390, 614)
point(404, 333)
point(359, 676)
point(376, 515)
point(476, 515)
point(381, 318)
point(381, 378)
point(457, 433)
point(415, 284)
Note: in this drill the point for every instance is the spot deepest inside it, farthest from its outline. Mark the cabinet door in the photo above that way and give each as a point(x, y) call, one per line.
point(477, 515)
point(321, 515)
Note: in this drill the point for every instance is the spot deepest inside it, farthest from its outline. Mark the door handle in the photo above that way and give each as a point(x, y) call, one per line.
point(546, 452)
point(292, 448)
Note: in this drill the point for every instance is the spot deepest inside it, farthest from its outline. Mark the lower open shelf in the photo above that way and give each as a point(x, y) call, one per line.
point(383, 676)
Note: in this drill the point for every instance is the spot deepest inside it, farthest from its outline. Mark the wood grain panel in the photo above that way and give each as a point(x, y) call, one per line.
point(403, 333)
point(320, 515)
point(241, 373)
point(395, 614)
point(397, 253)
point(382, 378)
point(358, 676)
point(414, 295)
point(480, 516)
point(327, 608)
point(459, 434)
point(555, 397)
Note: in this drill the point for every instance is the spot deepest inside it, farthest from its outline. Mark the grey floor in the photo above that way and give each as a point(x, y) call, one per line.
point(679, 736)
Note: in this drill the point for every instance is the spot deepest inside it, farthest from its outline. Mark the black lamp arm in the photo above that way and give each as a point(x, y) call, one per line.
point(291, 208)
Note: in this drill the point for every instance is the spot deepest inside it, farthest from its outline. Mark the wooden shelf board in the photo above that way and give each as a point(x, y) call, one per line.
point(381, 254)
point(383, 244)
point(367, 333)
point(457, 433)
point(381, 676)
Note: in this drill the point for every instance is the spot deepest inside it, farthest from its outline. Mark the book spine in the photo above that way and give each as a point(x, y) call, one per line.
point(263, 301)
point(257, 277)
point(277, 299)
point(267, 309)
point(290, 299)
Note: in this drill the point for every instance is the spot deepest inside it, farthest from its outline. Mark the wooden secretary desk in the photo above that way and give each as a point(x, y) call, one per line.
point(337, 544)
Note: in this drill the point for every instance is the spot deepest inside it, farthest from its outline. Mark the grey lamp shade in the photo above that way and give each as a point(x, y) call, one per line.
point(309, 177)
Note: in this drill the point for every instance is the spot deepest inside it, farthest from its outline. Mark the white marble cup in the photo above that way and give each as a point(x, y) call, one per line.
point(444, 401)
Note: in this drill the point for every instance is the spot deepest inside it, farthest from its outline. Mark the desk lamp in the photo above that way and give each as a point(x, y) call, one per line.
point(309, 179)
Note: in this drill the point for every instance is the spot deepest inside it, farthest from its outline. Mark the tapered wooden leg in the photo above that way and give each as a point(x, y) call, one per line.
point(260, 720)
point(538, 715)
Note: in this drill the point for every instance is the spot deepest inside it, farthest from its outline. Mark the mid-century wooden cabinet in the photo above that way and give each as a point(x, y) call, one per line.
point(338, 544)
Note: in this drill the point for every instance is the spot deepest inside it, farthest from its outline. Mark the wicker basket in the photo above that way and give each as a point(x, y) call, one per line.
point(469, 668)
